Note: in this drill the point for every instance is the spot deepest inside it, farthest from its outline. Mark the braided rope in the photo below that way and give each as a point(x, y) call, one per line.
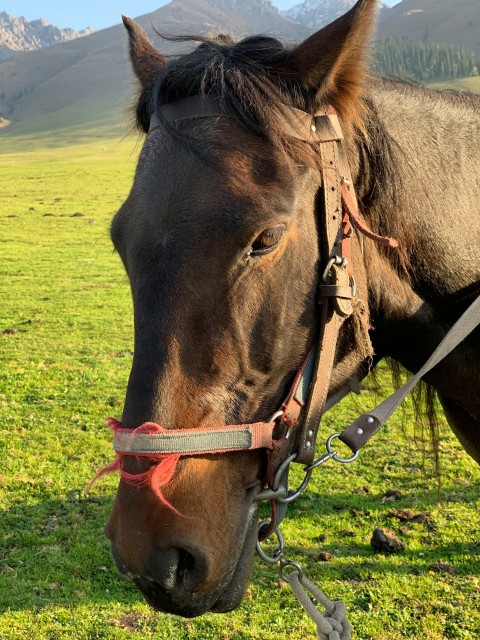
point(331, 625)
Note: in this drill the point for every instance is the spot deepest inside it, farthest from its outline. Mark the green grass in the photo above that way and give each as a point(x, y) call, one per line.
point(462, 84)
point(66, 340)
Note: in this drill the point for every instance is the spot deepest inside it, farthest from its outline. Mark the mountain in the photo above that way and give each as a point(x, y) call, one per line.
point(87, 83)
point(83, 87)
point(19, 34)
point(315, 14)
point(449, 21)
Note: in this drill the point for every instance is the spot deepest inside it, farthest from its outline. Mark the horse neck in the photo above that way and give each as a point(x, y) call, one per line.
point(435, 165)
point(436, 161)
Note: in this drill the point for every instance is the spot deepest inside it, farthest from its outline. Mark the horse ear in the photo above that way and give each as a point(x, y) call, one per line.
point(333, 61)
point(147, 62)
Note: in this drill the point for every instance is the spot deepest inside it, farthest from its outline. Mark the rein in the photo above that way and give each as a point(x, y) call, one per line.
point(290, 434)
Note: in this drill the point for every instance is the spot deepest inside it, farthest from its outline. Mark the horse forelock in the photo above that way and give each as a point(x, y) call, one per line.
point(249, 76)
point(245, 75)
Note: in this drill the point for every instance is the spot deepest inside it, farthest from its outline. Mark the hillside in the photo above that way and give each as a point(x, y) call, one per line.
point(450, 21)
point(86, 83)
point(20, 34)
point(83, 88)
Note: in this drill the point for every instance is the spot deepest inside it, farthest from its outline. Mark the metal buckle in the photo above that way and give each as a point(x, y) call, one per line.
point(280, 492)
point(278, 414)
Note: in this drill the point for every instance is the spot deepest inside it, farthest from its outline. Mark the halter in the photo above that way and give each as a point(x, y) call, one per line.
point(308, 394)
point(290, 434)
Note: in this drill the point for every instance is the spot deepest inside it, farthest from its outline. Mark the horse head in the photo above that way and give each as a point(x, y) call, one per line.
point(220, 240)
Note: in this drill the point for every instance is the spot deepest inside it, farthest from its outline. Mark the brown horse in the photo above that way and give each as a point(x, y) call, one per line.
point(220, 240)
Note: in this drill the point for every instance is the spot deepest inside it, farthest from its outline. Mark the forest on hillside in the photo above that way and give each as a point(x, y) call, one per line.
point(424, 61)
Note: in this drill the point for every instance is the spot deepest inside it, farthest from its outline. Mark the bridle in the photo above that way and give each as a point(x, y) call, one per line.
point(290, 434)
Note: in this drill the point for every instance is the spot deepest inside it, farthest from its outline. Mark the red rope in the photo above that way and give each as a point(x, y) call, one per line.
point(156, 477)
point(358, 221)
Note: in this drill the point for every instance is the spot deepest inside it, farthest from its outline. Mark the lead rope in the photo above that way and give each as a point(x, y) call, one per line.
point(331, 625)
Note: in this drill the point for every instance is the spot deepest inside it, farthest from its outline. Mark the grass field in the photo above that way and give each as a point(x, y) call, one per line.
point(462, 84)
point(66, 340)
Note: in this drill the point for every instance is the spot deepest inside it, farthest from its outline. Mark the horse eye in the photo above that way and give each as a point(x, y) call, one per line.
point(267, 240)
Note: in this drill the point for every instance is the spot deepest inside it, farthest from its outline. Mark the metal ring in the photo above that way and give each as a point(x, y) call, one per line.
point(334, 454)
point(279, 473)
point(292, 496)
point(290, 563)
point(265, 495)
point(276, 415)
point(279, 414)
point(276, 492)
point(278, 553)
point(334, 260)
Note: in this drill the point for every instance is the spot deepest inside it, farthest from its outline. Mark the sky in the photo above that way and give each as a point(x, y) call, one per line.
point(98, 14)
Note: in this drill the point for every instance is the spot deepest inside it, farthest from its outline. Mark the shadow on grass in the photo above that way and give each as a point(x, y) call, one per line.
point(356, 562)
point(355, 503)
point(56, 553)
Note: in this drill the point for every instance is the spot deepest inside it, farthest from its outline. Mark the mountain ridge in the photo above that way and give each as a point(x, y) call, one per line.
point(19, 34)
point(84, 84)
point(87, 81)
point(315, 14)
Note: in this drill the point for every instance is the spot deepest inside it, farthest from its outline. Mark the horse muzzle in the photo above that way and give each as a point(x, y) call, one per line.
point(182, 580)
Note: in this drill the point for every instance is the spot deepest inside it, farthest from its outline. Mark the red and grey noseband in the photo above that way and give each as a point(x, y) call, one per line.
point(164, 447)
point(152, 439)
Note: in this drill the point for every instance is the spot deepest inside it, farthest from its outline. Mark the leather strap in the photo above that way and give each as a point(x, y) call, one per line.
point(367, 425)
point(357, 220)
point(194, 108)
point(334, 310)
point(335, 291)
point(324, 127)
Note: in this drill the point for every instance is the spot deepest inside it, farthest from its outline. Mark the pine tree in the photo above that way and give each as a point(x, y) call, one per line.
point(425, 61)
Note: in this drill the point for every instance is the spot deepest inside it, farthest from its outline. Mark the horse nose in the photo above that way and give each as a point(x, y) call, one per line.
point(177, 569)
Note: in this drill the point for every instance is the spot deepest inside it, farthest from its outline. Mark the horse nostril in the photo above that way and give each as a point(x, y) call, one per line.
point(174, 569)
point(186, 564)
